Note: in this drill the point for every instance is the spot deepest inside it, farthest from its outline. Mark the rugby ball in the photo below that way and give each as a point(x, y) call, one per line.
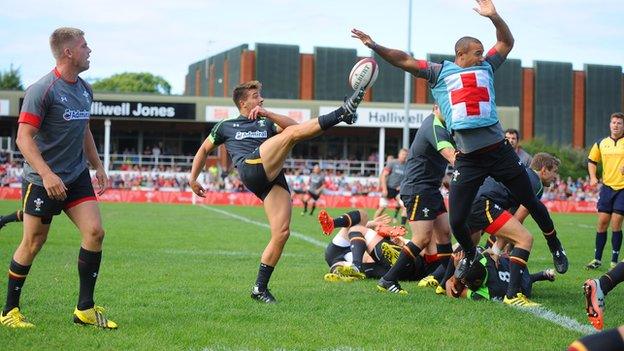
point(364, 74)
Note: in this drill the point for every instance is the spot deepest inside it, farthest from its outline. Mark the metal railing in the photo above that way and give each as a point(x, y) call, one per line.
point(291, 165)
point(346, 167)
point(118, 161)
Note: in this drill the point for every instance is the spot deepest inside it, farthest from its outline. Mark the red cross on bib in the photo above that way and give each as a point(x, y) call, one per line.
point(470, 93)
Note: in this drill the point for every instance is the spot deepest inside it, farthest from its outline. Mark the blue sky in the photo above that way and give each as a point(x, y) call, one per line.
point(163, 37)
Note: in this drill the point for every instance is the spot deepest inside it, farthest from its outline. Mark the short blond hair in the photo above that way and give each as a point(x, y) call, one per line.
point(241, 90)
point(60, 37)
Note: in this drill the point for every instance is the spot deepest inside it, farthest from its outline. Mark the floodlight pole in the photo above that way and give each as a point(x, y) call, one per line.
point(408, 80)
point(107, 128)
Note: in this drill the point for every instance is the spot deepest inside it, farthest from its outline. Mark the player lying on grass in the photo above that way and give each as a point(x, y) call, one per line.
point(368, 249)
point(490, 213)
point(490, 279)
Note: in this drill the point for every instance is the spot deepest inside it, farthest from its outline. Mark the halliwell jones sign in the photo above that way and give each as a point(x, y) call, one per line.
point(142, 109)
point(139, 109)
point(383, 117)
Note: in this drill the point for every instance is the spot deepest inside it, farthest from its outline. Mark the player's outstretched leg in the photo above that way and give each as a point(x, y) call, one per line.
point(346, 220)
point(275, 149)
point(422, 234)
point(595, 291)
point(16, 216)
point(594, 302)
point(518, 186)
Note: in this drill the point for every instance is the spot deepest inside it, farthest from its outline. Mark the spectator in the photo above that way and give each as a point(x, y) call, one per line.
point(513, 136)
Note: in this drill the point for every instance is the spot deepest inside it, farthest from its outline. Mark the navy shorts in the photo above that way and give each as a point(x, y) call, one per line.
point(392, 193)
point(36, 202)
point(335, 254)
point(254, 177)
point(487, 216)
point(611, 201)
point(424, 206)
point(313, 195)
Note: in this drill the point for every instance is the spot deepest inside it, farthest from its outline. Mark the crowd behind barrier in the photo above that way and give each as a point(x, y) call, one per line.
point(175, 178)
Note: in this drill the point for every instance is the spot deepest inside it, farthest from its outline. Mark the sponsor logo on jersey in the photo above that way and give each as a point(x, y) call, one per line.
point(70, 115)
point(251, 134)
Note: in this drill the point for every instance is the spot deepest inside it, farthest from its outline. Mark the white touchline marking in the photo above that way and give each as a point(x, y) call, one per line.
point(559, 319)
point(221, 253)
point(541, 312)
point(260, 224)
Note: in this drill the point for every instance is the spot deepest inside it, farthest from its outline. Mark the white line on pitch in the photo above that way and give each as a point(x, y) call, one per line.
point(292, 232)
point(221, 253)
point(541, 312)
point(580, 225)
point(559, 319)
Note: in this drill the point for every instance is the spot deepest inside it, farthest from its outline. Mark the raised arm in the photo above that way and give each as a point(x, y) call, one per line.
point(199, 161)
point(504, 38)
point(395, 57)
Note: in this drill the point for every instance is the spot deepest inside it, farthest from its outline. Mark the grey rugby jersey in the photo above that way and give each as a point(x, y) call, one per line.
point(61, 110)
point(316, 181)
point(396, 174)
point(241, 135)
point(425, 165)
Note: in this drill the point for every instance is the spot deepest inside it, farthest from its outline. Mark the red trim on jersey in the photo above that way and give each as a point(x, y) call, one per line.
point(492, 52)
point(30, 118)
point(57, 73)
point(422, 64)
point(79, 201)
point(498, 223)
point(429, 259)
point(517, 260)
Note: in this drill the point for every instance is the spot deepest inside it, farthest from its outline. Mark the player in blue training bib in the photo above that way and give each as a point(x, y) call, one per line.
point(464, 89)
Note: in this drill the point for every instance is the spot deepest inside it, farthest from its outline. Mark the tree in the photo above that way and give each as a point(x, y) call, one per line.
point(11, 79)
point(129, 82)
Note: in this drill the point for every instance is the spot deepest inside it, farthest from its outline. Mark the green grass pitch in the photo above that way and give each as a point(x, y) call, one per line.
point(179, 276)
